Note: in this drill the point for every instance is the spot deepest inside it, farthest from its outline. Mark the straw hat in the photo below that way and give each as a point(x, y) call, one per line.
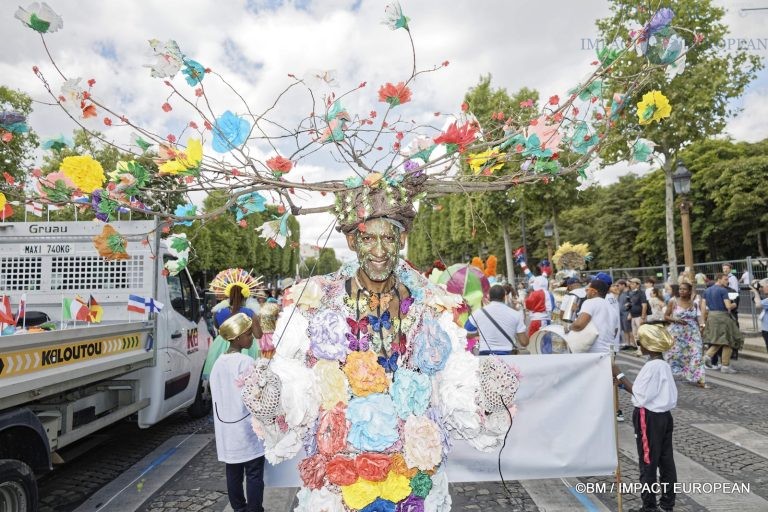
point(654, 338)
point(234, 326)
point(635, 280)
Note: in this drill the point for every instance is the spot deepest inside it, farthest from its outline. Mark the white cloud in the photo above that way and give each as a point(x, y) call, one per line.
point(255, 44)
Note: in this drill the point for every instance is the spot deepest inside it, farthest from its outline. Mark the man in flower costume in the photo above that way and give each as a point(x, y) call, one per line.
point(371, 377)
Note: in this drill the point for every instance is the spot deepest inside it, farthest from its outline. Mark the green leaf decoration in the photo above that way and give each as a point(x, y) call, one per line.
point(116, 243)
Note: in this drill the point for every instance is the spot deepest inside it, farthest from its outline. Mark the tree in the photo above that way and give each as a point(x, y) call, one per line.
point(16, 153)
point(700, 97)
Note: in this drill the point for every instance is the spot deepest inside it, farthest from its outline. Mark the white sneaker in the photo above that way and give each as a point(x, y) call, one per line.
point(619, 417)
point(727, 369)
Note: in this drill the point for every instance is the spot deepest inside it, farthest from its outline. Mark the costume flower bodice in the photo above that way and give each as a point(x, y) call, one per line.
point(374, 402)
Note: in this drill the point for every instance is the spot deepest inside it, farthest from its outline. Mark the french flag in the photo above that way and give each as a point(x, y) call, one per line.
point(136, 304)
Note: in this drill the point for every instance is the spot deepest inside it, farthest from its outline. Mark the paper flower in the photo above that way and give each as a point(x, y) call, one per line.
point(6, 210)
point(56, 187)
point(410, 392)
point(592, 89)
point(103, 207)
point(57, 144)
point(276, 230)
point(394, 94)
point(660, 19)
point(178, 245)
point(327, 331)
point(185, 162)
point(617, 105)
point(421, 147)
point(364, 373)
point(168, 58)
point(332, 384)
point(395, 488)
point(421, 484)
point(400, 467)
point(139, 142)
point(486, 161)
point(432, 346)
point(185, 210)
point(548, 134)
point(315, 500)
point(85, 172)
point(423, 444)
point(307, 294)
point(174, 267)
point(653, 107)
point(332, 430)
point(394, 18)
point(412, 503)
point(129, 177)
point(279, 165)
point(14, 122)
point(194, 72)
point(248, 204)
point(337, 118)
point(229, 132)
point(312, 471)
point(380, 505)
point(373, 466)
point(40, 18)
point(341, 471)
point(457, 137)
point(111, 244)
point(373, 422)
point(641, 150)
point(360, 494)
point(582, 138)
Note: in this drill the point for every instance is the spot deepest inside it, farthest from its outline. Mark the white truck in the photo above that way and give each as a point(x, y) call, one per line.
point(56, 387)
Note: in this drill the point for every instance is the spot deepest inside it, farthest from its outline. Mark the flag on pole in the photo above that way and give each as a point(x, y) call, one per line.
point(6, 317)
point(34, 208)
point(137, 304)
point(22, 309)
point(153, 306)
point(74, 309)
point(95, 311)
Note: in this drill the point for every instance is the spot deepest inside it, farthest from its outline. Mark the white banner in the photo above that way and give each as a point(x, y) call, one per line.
point(564, 426)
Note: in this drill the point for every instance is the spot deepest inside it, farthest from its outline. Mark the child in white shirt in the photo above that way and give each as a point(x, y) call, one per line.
point(654, 395)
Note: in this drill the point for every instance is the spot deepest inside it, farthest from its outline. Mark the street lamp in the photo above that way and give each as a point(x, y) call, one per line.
point(681, 179)
point(549, 232)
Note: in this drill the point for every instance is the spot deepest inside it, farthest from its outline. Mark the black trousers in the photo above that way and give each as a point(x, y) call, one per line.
point(253, 498)
point(653, 434)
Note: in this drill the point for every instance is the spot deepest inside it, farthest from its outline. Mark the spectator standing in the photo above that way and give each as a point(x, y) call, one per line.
point(760, 297)
point(637, 308)
point(685, 356)
point(500, 327)
point(656, 306)
point(650, 284)
point(237, 446)
point(654, 395)
point(721, 330)
point(733, 282)
point(626, 322)
point(746, 278)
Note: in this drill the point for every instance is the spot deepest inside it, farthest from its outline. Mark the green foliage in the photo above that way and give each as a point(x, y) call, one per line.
point(325, 264)
point(16, 155)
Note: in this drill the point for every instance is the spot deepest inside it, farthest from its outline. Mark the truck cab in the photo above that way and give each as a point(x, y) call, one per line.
point(58, 386)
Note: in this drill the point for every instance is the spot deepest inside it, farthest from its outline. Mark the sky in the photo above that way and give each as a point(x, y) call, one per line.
point(545, 45)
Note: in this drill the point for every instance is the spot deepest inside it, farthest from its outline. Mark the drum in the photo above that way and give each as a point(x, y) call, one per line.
point(550, 339)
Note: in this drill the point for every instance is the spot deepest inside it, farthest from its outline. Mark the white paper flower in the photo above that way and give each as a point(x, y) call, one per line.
point(270, 230)
point(393, 17)
point(322, 500)
point(168, 58)
point(72, 92)
point(40, 17)
point(291, 338)
point(299, 396)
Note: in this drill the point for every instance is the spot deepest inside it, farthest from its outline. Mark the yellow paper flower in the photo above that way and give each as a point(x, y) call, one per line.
point(85, 172)
point(333, 384)
point(187, 160)
point(3, 200)
point(361, 493)
point(653, 107)
point(486, 161)
point(365, 374)
point(395, 488)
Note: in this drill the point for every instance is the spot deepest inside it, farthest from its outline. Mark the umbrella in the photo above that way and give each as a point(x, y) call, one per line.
point(467, 281)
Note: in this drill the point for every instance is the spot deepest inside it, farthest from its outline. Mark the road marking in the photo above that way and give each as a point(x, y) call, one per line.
point(745, 385)
point(740, 436)
point(689, 470)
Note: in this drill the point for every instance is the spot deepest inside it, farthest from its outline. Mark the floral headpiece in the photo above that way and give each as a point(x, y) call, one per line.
point(225, 280)
point(571, 256)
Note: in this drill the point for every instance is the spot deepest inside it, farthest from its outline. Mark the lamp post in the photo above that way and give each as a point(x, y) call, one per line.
point(549, 232)
point(681, 179)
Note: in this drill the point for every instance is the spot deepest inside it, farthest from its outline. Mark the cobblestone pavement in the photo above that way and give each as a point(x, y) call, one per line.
point(200, 485)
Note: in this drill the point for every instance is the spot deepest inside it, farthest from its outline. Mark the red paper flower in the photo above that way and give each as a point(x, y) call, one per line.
point(166, 107)
point(373, 466)
point(395, 94)
point(312, 471)
point(7, 137)
point(107, 121)
point(89, 111)
point(460, 136)
point(279, 164)
point(554, 100)
point(341, 471)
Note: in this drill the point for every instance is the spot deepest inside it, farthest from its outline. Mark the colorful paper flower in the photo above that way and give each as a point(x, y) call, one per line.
point(174, 267)
point(85, 172)
point(332, 384)
point(168, 58)
point(111, 244)
point(660, 19)
point(185, 162)
point(486, 162)
point(229, 132)
point(193, 71)
point(421, 484)
point(57, 144)
point(364, 373)
point(412, 503)
point(373, 466)
point(641, 150)
point(457, 137)
point(373, 422)
point(14, 122)
point(185, 210)
point(341, 471)
point(421, 147)
point(129, 177)
point(327, 335)
point(276, 230)
point(583, 138)
point(332, 430)
point(104, 208)
point(395, 487)
point(423, 446)
point(248, 204)
point(394, 18)
point(432, 346)
point(337, 118)
point(312, 471)
point(548, 134)
point(40, 18)
point(400, 467)
point(360, 494)
point(410, 392)
point(394, 94)
point(178, 245)
point(653, 107)
point(279, 165)
point(594, 89)
point(139, 142)
point(380, 505)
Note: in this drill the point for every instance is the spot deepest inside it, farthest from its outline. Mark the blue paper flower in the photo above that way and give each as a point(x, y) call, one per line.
point(57, 144)
point(379, 505)
point(410, 392)
point(432, 347)
point(583, 138)
point(660, 19)
point(248, 204)
point(229, 132)
point(194, 72)
point(185, 210)
point(373, 422)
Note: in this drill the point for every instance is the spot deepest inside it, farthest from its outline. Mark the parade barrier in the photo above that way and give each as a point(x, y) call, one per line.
point(563, 426)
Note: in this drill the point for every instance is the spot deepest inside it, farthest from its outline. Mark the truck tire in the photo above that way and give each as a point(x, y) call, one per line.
point(202, 405)
point(18, 487)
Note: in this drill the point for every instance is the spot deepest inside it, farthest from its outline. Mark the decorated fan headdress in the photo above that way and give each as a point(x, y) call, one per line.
point(569, 258)
point(225, 280)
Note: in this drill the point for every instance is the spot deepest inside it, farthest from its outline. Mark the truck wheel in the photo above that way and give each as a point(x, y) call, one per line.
point(18, 488)
point(202, 405)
